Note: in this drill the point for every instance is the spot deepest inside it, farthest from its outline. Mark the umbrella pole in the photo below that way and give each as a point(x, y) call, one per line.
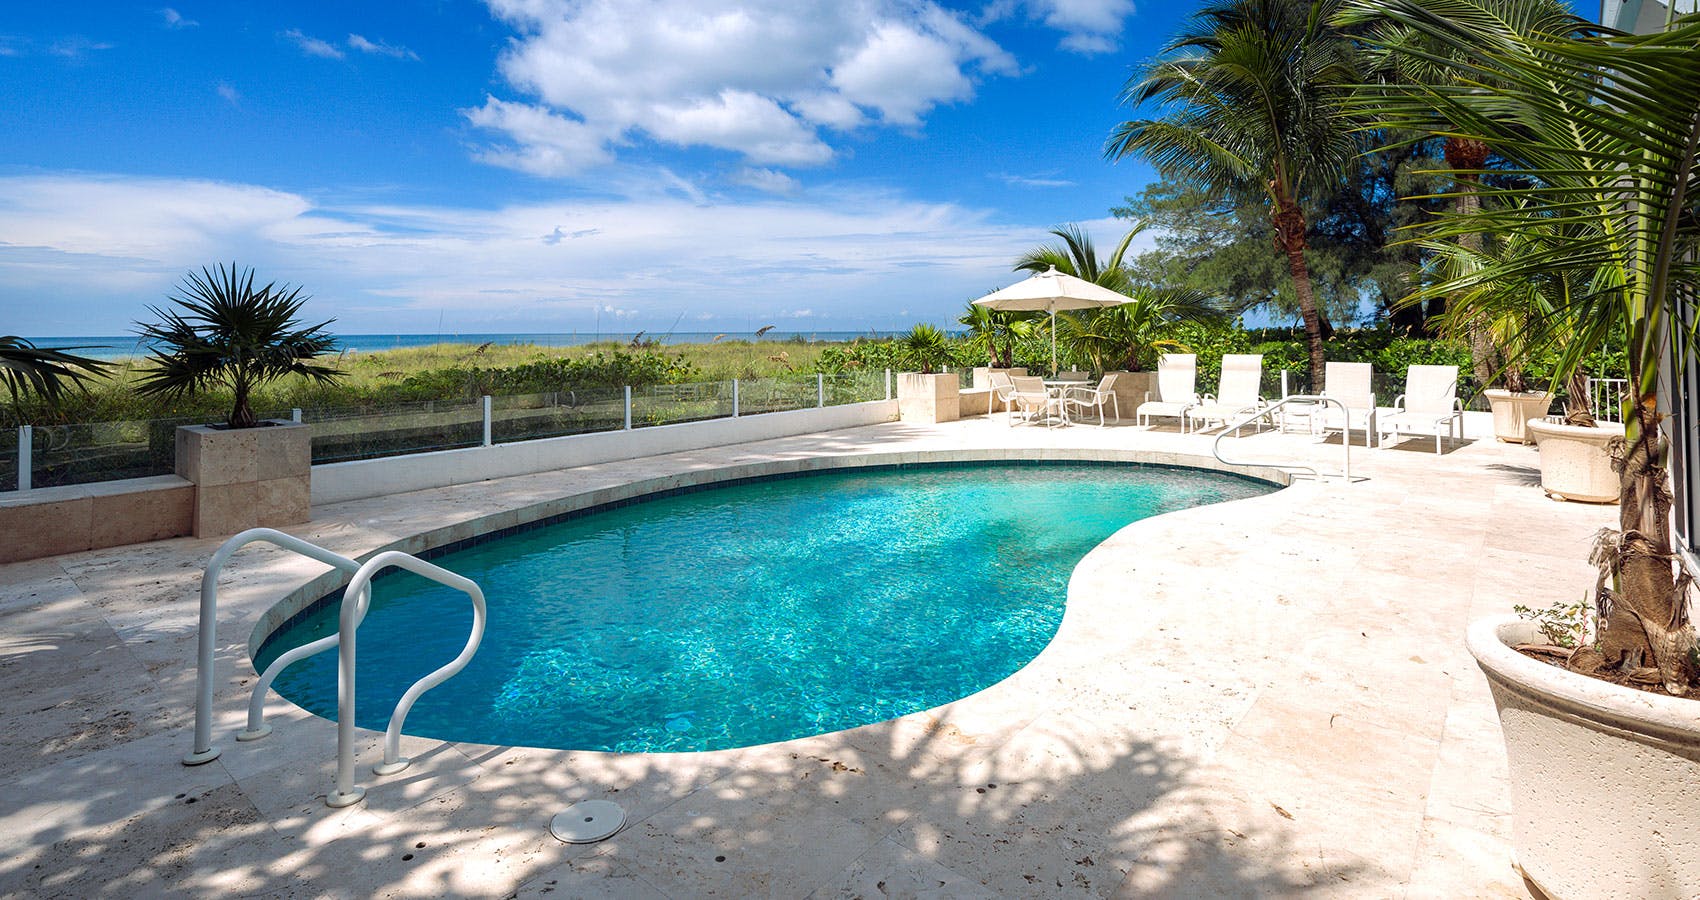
point(1053, 343)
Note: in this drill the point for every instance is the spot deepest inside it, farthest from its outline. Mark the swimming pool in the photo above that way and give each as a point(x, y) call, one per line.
point(746, 613)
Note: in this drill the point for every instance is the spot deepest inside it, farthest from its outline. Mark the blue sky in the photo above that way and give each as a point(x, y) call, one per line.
point(556, 165)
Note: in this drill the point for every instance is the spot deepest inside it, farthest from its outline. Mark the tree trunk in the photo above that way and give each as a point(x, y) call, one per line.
point(1465, 156)
point(1289, 223)
point(241, 414)
point(1647, 624)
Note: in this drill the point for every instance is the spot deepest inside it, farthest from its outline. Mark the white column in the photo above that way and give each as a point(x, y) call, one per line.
point(486, 420)
point(735, 409)
point(820, 390)
point(628, 407)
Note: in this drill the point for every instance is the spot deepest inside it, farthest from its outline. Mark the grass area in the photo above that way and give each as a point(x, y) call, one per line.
point(442, 372)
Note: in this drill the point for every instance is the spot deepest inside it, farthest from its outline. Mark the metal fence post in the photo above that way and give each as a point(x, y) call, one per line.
point(295, 415)
point(820, 390)
point(628, 407)
point(735, 405)
point(26, 442)
point(486, 420)
point(1284, 392)
point(888, 384)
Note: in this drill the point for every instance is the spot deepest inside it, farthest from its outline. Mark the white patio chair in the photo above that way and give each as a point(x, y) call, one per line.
point(1177, 389)
point(1084, 398)
point(1236, 396)
point(1429, 402)
point(1351, 384)
point(1001, 391)
point(1029, 396)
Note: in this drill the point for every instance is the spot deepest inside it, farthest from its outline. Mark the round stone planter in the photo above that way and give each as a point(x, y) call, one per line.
point(1575, 464)
point(1511, 411)
point(1603, 778)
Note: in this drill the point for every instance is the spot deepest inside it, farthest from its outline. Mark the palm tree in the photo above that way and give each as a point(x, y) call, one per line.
point(993, 333)
point(1599, 131)
point(1076, 256)
point(1251, 99)
point(1405, 55)
point(26, 368)
point(1125, 336)
point(227, 333)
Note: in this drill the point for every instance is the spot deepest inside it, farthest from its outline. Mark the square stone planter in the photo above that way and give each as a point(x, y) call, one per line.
point(929, 398)
point(246, 477)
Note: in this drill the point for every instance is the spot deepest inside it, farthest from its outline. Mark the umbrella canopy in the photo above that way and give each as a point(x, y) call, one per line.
point(1050, 291)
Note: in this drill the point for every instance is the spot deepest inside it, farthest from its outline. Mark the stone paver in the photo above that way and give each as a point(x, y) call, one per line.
point(1256, 698)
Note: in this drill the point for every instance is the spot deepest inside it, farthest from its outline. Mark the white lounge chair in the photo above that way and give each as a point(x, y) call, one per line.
point(1236, 396)
point(1084, 398)
point(1352, 385)
point(1029, 396)
point(1430, 401)
point(1177, 389)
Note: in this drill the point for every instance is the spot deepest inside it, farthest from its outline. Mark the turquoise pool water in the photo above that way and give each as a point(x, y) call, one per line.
point(745, 614)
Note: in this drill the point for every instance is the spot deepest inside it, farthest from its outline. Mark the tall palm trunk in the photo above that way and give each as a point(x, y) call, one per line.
point(1465, 157)
point(1289, 222)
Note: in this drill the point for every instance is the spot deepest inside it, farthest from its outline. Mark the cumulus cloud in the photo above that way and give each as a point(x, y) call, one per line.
point(1088, 26)
point(757, 78)
point(313, 46)
point(544, 143)
point(96, 249)
point(380, 48)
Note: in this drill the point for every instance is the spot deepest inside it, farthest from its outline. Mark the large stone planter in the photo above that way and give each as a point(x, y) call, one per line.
point(929, 398)
point(246, 477)
point(1575, 464)
point(1131, 389)
point(1511, 411)
point(1603, 778)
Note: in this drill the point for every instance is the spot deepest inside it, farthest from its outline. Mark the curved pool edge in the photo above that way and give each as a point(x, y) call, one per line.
point(301, 600)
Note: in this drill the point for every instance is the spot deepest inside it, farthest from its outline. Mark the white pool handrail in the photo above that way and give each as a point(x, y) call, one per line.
point(1345, 445)
point(355, 600)
point(203, 750)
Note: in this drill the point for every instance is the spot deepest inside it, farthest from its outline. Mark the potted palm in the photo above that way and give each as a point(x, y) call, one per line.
point(1598, 130)
point(925, 395)
point(223, 332)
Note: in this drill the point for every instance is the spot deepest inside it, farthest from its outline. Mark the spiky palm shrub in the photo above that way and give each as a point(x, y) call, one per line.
point(1599, 133)
point(46, 372)
point(925, 347)
point(1129, 335)
point(1249, 101)
point(224, 332)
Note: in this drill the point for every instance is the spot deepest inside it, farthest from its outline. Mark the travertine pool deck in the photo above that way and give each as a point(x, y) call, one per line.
point(1257, 698)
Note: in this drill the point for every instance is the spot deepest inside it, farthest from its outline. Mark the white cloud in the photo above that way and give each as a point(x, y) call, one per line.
point(77, 47)
point(230, 94)
point(1034, 181)
point(1088, 26)
point(766, 180)
point(381, 48)
point(96, 249)
point(175, 20)
point(313, 46)
point(752, 77)
point(544, 143)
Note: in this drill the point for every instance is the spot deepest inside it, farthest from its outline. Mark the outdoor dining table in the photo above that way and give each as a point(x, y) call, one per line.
point(1057, 387)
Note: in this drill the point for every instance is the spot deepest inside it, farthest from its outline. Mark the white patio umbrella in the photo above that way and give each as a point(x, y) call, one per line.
point(1050, 291)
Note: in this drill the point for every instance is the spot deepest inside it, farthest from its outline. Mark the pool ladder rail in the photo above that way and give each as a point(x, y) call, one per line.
point(356, 599)
point(1262, 412)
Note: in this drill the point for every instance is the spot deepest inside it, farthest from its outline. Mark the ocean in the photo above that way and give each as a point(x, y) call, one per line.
point(119, 346)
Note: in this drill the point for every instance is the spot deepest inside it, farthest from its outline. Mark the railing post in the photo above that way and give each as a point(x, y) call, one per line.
point(1285, 393)
point(820, 390)
point(888, 384)
point(486, 420)
point(628, 407)
point(295, 415)
point(736, 412)
point(26, 443)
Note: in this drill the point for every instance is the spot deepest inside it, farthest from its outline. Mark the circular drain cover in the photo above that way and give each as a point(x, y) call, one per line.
point(587, 822)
